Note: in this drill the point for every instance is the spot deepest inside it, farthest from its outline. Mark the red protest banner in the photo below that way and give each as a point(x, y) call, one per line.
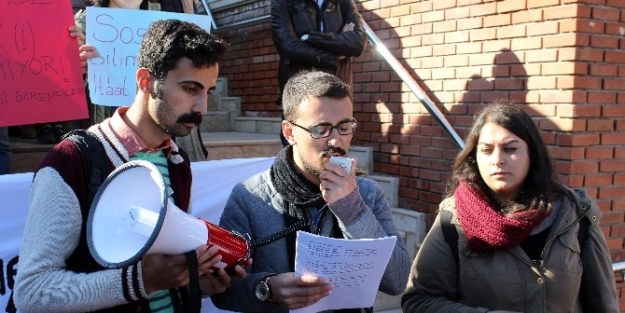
point(40, 74)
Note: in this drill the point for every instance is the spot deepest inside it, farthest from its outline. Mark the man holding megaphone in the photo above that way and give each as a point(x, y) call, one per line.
point(177, 70)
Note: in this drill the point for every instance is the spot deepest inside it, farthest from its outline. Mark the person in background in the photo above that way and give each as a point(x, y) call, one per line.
point(192, 144)
point(303, 191)
point(78, 5)
point(5, 151)
point(524, 241)
point(177, 70)
point(323, 35)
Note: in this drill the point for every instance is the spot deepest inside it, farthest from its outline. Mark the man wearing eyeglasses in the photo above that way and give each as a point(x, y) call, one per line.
point(303, 191)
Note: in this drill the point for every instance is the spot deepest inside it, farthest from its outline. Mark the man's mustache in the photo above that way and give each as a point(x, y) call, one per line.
point(190, 118)
point(332, 151)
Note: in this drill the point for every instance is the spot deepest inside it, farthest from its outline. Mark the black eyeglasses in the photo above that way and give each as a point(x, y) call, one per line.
point(325, 130)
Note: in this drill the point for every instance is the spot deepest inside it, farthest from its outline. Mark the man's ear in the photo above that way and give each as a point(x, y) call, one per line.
point(144, 78)
point(287, 131)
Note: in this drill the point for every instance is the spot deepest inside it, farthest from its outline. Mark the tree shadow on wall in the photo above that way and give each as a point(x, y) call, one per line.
point(506, 81)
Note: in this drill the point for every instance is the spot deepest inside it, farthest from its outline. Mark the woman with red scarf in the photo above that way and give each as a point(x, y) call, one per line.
point(520, 241)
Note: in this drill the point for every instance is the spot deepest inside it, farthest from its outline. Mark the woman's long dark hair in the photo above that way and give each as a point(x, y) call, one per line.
point(540, 186)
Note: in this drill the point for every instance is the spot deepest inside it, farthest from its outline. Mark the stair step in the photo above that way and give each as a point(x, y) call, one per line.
point(260, 125)
point(221, 88)
point(390, 185)
point(216, 121)
point(364, 157)
point(411, 228)
point(214, 103)
point(230, 145)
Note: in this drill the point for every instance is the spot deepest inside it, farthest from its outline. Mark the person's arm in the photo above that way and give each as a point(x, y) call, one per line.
point(433, 282)
point(52, 233)
point(187, 6)
point(85, 52)
point(351, 42)
point(358, 221)
point(290, 45)
point(239, 296)
point(598, 287)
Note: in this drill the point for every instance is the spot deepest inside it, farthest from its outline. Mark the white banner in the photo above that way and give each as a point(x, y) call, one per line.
point(212, 183)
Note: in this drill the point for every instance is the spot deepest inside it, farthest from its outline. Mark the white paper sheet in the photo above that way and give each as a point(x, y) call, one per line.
point(353, 267)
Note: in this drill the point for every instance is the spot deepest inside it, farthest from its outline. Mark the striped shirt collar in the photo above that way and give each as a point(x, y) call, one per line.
point(130, 140)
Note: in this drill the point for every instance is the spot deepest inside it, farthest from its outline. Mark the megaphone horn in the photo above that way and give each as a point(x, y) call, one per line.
point(131, 216)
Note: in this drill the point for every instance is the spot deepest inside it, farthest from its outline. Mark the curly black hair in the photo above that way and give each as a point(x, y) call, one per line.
point(167, 41)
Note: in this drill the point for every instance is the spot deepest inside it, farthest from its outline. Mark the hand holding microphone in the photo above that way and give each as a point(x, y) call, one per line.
point(338, 180)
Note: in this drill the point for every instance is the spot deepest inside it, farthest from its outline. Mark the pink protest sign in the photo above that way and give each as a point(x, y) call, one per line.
point(40, 73)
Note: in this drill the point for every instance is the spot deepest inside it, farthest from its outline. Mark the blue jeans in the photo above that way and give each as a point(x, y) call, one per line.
point(5, 151)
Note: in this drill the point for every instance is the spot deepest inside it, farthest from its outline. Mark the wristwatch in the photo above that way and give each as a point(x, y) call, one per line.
point(263, 290)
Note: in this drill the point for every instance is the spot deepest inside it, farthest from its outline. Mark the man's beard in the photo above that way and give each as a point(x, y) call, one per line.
point(316, 170)
point(176, 129)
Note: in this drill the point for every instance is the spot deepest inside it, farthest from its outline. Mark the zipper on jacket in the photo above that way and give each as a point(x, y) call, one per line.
point(322, 218)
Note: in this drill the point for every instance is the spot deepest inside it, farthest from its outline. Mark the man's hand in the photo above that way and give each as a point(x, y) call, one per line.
point(78, 33)
point(219, 280)
point(336, 183)
point(207, 258)
point(162, 271)
point(297, 292)
point(86, 52)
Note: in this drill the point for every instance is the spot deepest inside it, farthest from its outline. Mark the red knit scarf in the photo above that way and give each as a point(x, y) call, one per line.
point(485, 228)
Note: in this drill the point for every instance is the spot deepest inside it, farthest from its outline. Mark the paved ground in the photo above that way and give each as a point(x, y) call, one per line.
point(238, 138)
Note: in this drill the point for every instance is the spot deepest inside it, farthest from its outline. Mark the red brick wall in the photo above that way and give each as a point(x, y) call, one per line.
point(251, 63)
point(564, 58)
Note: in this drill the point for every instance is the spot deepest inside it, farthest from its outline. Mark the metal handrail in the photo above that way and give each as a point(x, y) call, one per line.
point(386, 54)
point(412, 84)
point(208, 12)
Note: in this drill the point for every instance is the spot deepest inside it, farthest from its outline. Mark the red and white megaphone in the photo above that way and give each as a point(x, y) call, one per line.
point(131, 215)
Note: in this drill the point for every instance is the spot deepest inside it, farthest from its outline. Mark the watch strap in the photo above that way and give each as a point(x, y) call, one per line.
point(266, 281)
point(270, 299)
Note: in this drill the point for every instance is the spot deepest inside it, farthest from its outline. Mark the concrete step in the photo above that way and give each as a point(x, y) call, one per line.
point(390, 185)
point(221, 87)
point(221, 113)
point(364, 157)
point(230, 145)
point(259, 125)
point(411, 228)
point(216, 121)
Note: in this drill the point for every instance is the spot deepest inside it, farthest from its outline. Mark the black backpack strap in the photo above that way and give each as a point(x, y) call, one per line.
point(191, 292)
point(449, 232)
point(95, 163)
